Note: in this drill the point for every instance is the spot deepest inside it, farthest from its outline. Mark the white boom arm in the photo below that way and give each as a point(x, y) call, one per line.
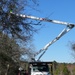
point(42, 19)
point(69, 26)
point(64, 31)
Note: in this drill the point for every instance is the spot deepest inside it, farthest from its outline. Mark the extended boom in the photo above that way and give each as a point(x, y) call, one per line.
point(69, 26)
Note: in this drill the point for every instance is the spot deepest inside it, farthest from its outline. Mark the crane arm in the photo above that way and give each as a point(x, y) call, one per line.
point(43, 19)
point(69, 26)
point(64, 31)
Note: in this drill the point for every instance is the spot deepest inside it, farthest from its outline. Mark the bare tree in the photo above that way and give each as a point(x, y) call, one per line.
point(17, 27)
point(72, 48)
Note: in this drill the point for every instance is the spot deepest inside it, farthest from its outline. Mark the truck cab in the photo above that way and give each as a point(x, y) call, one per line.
point(40, 68)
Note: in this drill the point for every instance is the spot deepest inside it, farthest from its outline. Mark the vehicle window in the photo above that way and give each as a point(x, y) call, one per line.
point(40, 68)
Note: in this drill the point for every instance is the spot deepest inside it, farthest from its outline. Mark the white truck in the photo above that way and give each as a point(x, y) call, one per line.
point(40, 68)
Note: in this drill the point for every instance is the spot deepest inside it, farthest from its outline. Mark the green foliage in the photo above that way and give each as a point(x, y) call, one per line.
point(7, 49)
point(57, 72)
point(10, 53)
point(55, 65)
point(73, 71)
point(4, 57)
point(65, 70)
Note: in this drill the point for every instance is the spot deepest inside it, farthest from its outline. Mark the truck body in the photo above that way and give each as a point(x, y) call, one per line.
point(37, 68)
